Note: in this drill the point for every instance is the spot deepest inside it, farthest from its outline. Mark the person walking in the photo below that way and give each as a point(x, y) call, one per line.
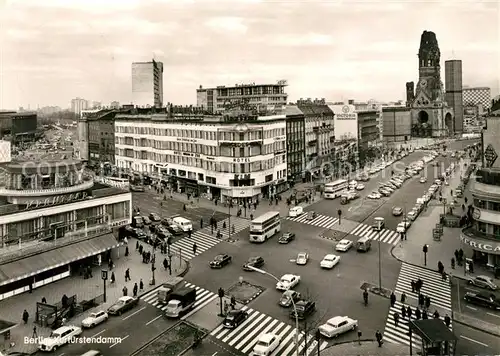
point(393, 299)
point(26, 316)
point(112, 277)
point(403, 297)
point(126, 251)
point(418, 314)
point(396, 319)
point(137, 245)
point(125, 291)
point(436, 314)
point(424, 315)
point(194, 248)
point(44, 301)
point(378, 336)
point(409, 312)
point(412, 286)
point(141, 285)
point(127, 275)
point(427, 302)
point(447, 320)
point(165, 263)
point(403, 312)
point(135, 289)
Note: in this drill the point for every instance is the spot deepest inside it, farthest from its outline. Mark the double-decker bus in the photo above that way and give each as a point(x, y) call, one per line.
point(335, 189)
point(265, 226)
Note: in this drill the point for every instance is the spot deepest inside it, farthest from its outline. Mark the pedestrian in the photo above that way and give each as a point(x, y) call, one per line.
point(112, 277)
point(420, 284)
point(140, 249)
point(409, 312)
point(26, 316)
point(201, 223)
point(44, 301)
point(403, 297)
point(127, 275)
point(427, 302)
point(378, 336)
point(125, 240)
point(396, 319)
point(413, 286)
point(403, 312)
point(135, 289)
point(141, 285)
point(436, 314)
point(393, 299)
point(447, 320)
point(421, 300)
point(418, 314)
point(125, 291)
point(194, 248)
point(35, 334)
point(424, 315)
point(126, 251)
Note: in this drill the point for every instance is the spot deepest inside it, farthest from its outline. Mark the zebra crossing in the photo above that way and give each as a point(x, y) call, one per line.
point(245, 336)
point(323, 221)
point(203, 297)
point(386, 236)
point(204, 239)
point(433, 286)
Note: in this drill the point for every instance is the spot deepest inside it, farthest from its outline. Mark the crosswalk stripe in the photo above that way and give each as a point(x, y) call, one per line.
point(323, 221)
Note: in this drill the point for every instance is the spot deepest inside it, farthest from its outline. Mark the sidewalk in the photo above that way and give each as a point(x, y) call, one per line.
point(366, 348)
point(85, 289)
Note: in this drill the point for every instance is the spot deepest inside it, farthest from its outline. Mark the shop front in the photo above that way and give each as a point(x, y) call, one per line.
point(486, 248)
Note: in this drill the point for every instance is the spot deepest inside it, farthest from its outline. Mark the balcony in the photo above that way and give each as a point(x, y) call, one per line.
point(47, 192)
point(482, 189)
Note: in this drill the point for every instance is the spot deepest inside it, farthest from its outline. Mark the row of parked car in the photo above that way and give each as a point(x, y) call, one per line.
point(150, 229)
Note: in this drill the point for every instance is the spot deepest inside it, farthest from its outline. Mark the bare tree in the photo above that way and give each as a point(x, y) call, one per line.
point(311, 323)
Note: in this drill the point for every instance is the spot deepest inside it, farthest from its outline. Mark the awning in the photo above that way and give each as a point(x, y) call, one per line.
point(45, 261)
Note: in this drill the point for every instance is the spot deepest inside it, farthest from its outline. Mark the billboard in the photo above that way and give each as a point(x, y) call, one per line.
point(345, 122)
point(5, 152)
point(491, 143)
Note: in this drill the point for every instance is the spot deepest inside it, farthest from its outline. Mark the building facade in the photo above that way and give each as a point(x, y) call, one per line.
point(430, 115)
point(53, 219)
point(295, 142)
point(79, 104)
point(346, 138)
point(19, 126)
point(484, 234)
point(472, 118)
point(222, 157)
point(101, 137)
point(262, 98)
point(397, 124)
point(147, 84)
point(368, 135)
point(477, 95)
point(319, 137)
point(454, 95)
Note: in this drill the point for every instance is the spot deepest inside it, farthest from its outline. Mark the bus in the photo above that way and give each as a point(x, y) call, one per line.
point(122, 183)
point(265, 226)
point(335, 189)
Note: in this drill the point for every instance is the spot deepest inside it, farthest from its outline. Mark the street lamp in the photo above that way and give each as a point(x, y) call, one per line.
point(380, 223)
point(425, 249)
point(293, 305)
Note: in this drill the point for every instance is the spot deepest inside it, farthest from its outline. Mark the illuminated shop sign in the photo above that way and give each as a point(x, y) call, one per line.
point(488, 247)
point(56, 200)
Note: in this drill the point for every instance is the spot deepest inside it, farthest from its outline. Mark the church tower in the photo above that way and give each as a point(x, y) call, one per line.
point(430, 114)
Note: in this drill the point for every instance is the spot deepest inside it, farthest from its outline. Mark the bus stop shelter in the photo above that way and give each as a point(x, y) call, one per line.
point(437, 339)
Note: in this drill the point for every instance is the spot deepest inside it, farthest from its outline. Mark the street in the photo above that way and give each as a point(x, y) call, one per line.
point(474, 342)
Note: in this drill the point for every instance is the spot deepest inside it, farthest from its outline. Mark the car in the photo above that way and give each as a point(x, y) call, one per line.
point(162, 232)
point(337, 325)
point(360, 187)
point(397, 211)
point(146, 220)
point(287, 281)
point(122, 305)
point(154, 217)
point(266, 344)
point(401, 227)
point(175, 230)
point(482, 300)
point(302, 258)
point(220, 261)
point(343, 245)
point(483, 282)
point(59, 337)
point(384, 192)
point(95, 319)
point(256, 262)
point(373, 171)
point(438, 182)
point(396, 182)
point(329, 261)
point(311, 215)
point(304, 308)
point(412, 215)
point(390, 186)
point(288, 298)
point(286, 238)
point(234, 318)
point(375, 195)
point(126, 231)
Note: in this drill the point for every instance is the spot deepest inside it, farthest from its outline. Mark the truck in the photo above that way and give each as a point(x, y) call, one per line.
point(166, 289)
point(181, 301)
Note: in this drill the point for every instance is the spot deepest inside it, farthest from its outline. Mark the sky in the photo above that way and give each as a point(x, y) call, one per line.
point(56, 50)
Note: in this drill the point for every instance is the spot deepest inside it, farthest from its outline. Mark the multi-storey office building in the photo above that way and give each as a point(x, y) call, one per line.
point(483, 237)
point(477, 95)
point(20, 126)
point(453, 95)
point(295, 142)
point(147, 84)
point(224, 157)
point(264, 98)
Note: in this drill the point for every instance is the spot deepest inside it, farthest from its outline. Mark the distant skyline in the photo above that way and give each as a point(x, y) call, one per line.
point(57, 50)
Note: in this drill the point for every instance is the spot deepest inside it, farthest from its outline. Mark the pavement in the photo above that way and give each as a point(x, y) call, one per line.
point(365, 348)
point(84, 289)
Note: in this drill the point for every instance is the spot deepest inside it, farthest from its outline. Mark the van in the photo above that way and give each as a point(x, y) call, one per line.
point(378, 222)
point(295, 211)
point(185, 224)
point(363, 244)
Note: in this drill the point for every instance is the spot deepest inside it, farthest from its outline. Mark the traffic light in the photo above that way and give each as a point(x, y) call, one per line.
point(153, 268)
point(221, 293)
point(425, 249)
point(339, 212)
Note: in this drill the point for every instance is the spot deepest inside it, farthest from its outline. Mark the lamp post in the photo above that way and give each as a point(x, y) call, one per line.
point(104, 276)
point(425, 249)
point(293, 305)
point(229, 219)
point(380, 223)
point(153, 268)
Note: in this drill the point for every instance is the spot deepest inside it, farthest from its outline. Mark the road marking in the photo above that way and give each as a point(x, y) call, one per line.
point(498, 316)
point(131, 315)
point(472, 290)
point(471, 307)
point(215, 353)
point(475, 341)
point(151, 321)
point(119, 342)
point(99, 333)
point(62, 354)
point(349, 209)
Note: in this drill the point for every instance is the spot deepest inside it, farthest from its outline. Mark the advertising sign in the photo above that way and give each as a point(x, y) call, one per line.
point(5, 152)
point(345, 122)
point(56, 200)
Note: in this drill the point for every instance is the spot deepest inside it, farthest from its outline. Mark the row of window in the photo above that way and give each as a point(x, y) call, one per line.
point(487, 205)
point(486, 228)
point(225, 167)
point(202, 132)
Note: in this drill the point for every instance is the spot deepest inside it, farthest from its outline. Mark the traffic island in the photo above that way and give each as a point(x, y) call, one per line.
point(372, 288)
point(244, 292)
point(173, 342)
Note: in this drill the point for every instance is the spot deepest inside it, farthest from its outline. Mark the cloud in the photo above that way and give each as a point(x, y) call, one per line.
point(299, 40)
point(230, 24)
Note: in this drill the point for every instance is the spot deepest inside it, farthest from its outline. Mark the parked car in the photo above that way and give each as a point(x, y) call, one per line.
point(220, 261)
point(95, 319)
point(59, 337)
point(287, 297)
point(286, 238)
point(154, 217)
point(483, 282)
point(146, 220)
point(234, 318)
point(482, 300)
point(397, 211)
point(122, 305)
point(256, 262)
point(337, 326)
